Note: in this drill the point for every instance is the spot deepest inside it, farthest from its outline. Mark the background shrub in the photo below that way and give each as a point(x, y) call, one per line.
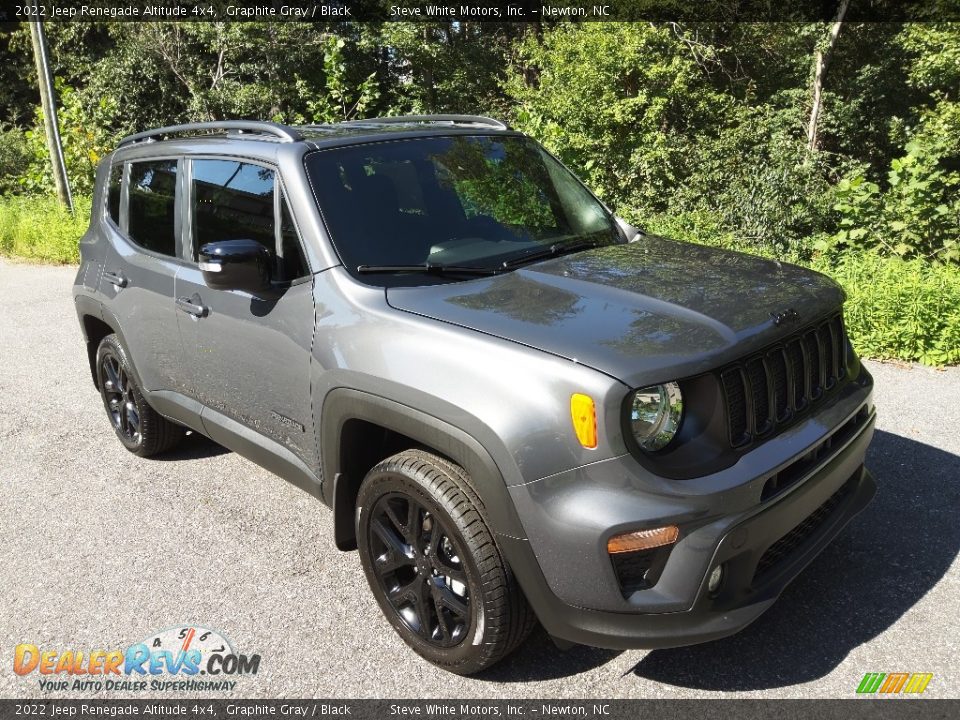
point(14, 159)
point(693, 130)
point(39, 228)
point(897, 308)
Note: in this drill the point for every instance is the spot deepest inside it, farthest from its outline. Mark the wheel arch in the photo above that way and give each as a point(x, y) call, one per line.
point(97, 322)
point(350, 422)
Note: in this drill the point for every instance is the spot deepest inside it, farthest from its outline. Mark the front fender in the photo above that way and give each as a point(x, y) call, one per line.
point(487, 475)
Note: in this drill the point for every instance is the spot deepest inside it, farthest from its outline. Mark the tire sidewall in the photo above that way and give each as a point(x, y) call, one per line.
point(464, 653)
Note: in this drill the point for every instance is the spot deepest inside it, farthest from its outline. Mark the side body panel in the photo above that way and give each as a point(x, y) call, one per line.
point(144, 308)
point(249, 358)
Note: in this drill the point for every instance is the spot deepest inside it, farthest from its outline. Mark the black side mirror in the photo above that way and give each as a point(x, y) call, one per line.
point(235, 265)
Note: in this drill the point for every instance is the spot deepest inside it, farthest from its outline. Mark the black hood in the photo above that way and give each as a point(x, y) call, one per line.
point(646, 312)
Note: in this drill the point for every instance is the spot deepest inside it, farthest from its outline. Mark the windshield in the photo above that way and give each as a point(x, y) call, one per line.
point(466, 200)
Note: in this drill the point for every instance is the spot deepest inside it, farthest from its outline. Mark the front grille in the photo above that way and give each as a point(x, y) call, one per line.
point(767, 390)
point(783, 548)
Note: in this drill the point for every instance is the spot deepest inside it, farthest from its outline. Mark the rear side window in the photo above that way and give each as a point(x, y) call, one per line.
point(113, 193)
point(152, 198)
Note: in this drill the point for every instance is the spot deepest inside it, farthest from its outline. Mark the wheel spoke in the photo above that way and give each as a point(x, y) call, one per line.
point(422, 606)
point(407, 591)
point(391, 561)
point(445, 565)
point(453, 603)
point(442, 619)
point(111, 373)
point(124, 420)
point(452, 573)
point(433, 548)
point(133, 418)
point(395, 545)
point(413, 520)
point(402, 528)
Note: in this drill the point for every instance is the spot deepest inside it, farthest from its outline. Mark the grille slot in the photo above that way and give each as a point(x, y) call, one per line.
point(757, 377)
point(796, 361)
point(736, 394)
point(815, 367)
point(769, 389)
point(777, 365)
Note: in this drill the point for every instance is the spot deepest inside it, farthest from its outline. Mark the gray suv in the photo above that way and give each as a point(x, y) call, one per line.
point(519, 407)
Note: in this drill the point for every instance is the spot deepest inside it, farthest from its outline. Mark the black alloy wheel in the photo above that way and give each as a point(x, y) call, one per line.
point(433, 564)
point(420, 569)
point(141, 429)
point(118, 398)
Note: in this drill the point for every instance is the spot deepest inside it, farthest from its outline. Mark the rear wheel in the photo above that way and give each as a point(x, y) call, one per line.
point(139, 427)
point(433, 566)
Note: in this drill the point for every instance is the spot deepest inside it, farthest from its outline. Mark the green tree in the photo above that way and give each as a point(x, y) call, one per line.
point(624, 104)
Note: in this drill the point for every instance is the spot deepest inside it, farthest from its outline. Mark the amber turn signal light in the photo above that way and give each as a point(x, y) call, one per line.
point(643, 539)
point(584, 417)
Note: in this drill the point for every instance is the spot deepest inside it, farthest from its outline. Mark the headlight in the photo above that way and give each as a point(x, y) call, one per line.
point(655, 414)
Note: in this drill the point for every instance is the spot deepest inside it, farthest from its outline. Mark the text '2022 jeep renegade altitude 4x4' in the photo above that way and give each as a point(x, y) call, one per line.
point(518, 406)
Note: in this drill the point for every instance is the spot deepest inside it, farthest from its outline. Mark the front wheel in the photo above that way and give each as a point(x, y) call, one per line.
point(433, 565)
point(141, 429)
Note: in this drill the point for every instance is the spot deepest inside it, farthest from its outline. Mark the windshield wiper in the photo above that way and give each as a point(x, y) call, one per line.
point(429, 268)
point(554, 250)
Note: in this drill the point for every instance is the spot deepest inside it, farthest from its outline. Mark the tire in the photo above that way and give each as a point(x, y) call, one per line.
point(138, 426)
point(427, 550)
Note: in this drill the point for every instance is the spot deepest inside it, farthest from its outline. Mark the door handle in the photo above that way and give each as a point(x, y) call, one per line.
point(192, 306)
point(116, 279)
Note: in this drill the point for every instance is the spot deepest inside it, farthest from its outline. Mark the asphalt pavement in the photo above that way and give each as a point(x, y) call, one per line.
point(100, 549)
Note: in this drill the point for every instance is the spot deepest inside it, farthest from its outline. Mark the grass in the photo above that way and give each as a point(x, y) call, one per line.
point(41, 230)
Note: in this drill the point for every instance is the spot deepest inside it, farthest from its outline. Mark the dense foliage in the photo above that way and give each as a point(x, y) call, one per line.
point(40, 229)
point(694, 130)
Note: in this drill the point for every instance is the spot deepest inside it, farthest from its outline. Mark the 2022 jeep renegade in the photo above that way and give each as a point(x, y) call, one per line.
point(518, 406)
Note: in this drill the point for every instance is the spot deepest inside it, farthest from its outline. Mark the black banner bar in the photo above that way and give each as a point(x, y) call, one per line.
point(326, 11)
point(859, 709)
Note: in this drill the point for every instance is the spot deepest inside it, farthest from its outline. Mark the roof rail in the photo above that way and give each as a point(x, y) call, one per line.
point(284, 133)
point(452, 119)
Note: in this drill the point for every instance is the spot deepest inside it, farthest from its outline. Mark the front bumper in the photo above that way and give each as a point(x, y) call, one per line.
point(763, 544)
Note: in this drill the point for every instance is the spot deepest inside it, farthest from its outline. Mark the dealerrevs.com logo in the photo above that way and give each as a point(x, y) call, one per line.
point(184, 658)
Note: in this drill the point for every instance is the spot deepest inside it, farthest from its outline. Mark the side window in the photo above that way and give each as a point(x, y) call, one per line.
point(113, 192)
point(232, 201)
point(152, 197)
point(293, 264)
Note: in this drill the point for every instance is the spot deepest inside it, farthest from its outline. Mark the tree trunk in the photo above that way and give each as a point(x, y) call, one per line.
point(429, 91)
point(820, 63)
point(50, 123)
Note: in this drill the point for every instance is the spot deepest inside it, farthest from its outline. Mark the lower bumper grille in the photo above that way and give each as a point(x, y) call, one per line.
point(639, 570)
point(783, 548)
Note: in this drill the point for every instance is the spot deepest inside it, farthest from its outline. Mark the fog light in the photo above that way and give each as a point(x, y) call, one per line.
point(716, 577)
